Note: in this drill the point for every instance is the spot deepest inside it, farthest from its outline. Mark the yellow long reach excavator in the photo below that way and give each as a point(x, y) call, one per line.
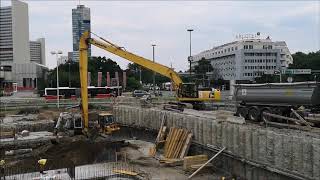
point(185, 92)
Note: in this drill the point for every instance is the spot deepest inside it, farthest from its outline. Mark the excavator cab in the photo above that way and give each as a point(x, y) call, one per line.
point(107, 123)
point(188, 90)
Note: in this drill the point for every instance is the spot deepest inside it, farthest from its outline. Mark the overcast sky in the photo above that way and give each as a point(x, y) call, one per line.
point(136, 25)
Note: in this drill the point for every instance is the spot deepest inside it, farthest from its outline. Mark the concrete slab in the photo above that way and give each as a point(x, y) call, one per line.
point(34, 139)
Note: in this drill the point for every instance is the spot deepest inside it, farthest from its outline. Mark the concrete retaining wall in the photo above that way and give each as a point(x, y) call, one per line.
point(292, 152)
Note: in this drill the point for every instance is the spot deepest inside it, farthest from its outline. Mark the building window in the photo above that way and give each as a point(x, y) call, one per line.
point(231, 48)
point(245, 47)
point(270, 47)
point(228, 49)
point(250, 46)
point(236, 48)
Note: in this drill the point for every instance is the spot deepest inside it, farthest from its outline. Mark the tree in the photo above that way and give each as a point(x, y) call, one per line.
point(95, 64)
point(133, 84)
point(201, 69)
point(146, 75)
point(306, 61)
point(203, 66)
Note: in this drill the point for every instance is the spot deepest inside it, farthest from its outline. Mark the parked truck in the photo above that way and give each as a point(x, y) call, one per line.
point(256, 101)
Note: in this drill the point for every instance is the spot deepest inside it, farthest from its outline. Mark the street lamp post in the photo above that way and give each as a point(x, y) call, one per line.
point(189, 58)
point(69, 75)
point(154, 73)
point(266, 65)
point(57, 53)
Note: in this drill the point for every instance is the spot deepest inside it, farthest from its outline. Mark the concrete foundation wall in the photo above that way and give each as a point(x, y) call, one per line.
point(289, 152)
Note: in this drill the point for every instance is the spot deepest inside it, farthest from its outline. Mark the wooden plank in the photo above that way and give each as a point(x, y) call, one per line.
point(287, 126)
point(178, 142)
point(126, 172)
point(186, 146)
point(166, 145)
point(164, 128)
point(152, 151)
point(206, 163)
point(6, 134)
point(163, 159)
point(170, 142)
point(196, 157)
point(161, 137)
point(281, 117)
point(160, 129)
point(174, 141)
point(192, 160)
point(181, 143)
point(197, 166)
point(300, 118)
point(171, 162)
point(313, 120)
point(174, 163)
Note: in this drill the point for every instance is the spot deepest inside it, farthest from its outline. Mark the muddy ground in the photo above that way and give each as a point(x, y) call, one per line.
point(76, 151)
point(65, 153)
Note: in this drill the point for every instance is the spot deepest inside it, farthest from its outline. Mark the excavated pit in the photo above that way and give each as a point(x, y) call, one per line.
point(66, 153)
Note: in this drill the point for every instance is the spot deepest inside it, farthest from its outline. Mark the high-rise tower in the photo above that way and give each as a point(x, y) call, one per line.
point(80, 24)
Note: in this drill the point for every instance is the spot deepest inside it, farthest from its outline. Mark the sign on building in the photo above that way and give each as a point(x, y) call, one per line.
point(296, 71)
point(269, 72)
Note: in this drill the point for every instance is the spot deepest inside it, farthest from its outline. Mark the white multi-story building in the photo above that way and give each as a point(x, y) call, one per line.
point(14, 33)
point(246, 58)
point(16, 51)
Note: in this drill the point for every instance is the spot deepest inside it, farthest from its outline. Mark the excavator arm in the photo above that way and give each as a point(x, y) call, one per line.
point(114, 49)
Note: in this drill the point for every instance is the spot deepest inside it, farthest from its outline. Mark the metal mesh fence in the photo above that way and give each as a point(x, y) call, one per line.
point(111, 170)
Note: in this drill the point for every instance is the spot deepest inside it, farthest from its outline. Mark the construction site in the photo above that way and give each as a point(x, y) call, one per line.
point(264, 131)
point(153, 143)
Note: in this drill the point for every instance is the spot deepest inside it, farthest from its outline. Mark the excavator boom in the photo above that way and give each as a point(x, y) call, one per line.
point(114, 49)
point(186, 92)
